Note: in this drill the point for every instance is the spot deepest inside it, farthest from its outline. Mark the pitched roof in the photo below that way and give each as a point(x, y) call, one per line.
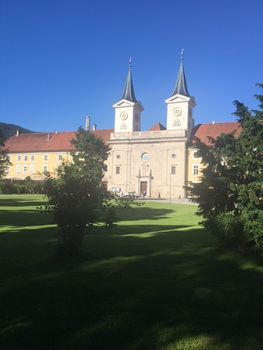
point(47, 142)
point(204, 131)
point(157, 126)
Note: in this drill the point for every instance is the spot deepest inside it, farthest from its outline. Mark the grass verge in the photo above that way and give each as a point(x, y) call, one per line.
point(156, 281)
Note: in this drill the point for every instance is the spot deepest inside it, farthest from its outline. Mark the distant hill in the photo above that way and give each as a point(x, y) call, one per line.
point(7, 130)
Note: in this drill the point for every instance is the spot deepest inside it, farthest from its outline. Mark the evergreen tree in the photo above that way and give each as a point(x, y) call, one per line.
point(4, 159)
point(78, 193)
point(230, 194)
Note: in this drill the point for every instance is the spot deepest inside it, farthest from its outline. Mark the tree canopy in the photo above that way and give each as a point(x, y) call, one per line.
point(78, 192)
point(231, 187)
point(4, 159)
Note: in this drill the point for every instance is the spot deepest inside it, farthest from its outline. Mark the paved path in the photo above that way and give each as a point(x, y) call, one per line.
point(175, 201)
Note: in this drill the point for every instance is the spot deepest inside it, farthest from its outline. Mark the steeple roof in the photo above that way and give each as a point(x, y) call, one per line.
point(181, 86)
point(128, 93)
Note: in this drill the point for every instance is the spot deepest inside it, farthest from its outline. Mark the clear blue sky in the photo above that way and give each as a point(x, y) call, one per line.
point(63, 59)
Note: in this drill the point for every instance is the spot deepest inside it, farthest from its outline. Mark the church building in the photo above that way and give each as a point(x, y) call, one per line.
point(157, 163)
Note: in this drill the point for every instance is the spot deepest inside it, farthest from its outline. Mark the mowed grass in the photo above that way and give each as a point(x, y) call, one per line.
point(156, 281)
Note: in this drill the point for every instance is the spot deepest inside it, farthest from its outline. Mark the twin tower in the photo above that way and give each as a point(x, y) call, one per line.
point(179, 107)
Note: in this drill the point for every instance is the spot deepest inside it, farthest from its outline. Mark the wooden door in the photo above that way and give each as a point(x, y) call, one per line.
point(143, 190)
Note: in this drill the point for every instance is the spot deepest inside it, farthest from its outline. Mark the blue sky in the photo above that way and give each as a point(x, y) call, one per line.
point(63, 59)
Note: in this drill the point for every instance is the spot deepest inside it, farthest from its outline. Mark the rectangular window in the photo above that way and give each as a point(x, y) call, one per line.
point(45, 157)
point(19, 158)
point(45, 170)
point(25, 158)
point(60, 157)
point(32, 158)
point(173, 170)
point(196, 155)
point(32, 169)
point(18, 169)
point(118, 170)
point(195, 169)
point(25, 169)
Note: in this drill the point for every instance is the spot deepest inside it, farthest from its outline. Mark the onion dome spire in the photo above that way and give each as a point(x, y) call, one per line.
point(128, 93)
point(181, 86)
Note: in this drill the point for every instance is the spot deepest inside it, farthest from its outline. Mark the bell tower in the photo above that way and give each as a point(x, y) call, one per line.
point(180, 105)
point(128, 109)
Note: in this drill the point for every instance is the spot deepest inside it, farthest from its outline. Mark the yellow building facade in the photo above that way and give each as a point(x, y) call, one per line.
point(35, 164)
point(156, 163)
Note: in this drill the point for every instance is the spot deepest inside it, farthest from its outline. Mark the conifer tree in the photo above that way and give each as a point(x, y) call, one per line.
point(4, 159)
point(230, 194)
point(78, 193)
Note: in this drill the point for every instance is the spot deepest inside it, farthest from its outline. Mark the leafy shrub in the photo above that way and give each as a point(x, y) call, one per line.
point(8, 186)
point(253, 228)
point(227, 227)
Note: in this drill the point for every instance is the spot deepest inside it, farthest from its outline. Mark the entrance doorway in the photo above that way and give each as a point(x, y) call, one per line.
point(143, 189)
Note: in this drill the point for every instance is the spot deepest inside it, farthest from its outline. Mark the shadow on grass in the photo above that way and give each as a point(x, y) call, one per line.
point(25, 218)
point(21, 201)
point(34, 216)
point(22, 210)
point(173, 290)
point(143, 213)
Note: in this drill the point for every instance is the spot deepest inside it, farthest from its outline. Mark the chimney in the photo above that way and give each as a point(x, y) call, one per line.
point(87, 123)
point(94, 127)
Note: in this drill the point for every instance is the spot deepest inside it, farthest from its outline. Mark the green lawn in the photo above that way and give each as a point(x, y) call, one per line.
point(156, 281)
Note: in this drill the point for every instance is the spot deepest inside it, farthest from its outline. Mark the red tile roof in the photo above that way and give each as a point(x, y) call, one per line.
point(53, 142)
point(203, 131)
point(157, 126)
point(47, 142)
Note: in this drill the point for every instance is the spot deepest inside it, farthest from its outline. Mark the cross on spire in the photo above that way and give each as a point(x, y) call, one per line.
point(182, 55)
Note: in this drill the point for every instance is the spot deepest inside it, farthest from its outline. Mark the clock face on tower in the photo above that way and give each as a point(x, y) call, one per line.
point(177, 111)
point(124, 115)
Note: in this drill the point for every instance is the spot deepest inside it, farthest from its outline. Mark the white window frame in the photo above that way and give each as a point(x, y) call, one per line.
point(32, 169)
point(18, 169)
point(195, 167)
point(19, 157)
point(45, 157)
point(45, 166)
point(32, 158)
point(25, 169)
point(173, 167)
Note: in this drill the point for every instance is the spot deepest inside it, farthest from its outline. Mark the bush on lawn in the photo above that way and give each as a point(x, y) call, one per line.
point(227, 227)
point(27, 186)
